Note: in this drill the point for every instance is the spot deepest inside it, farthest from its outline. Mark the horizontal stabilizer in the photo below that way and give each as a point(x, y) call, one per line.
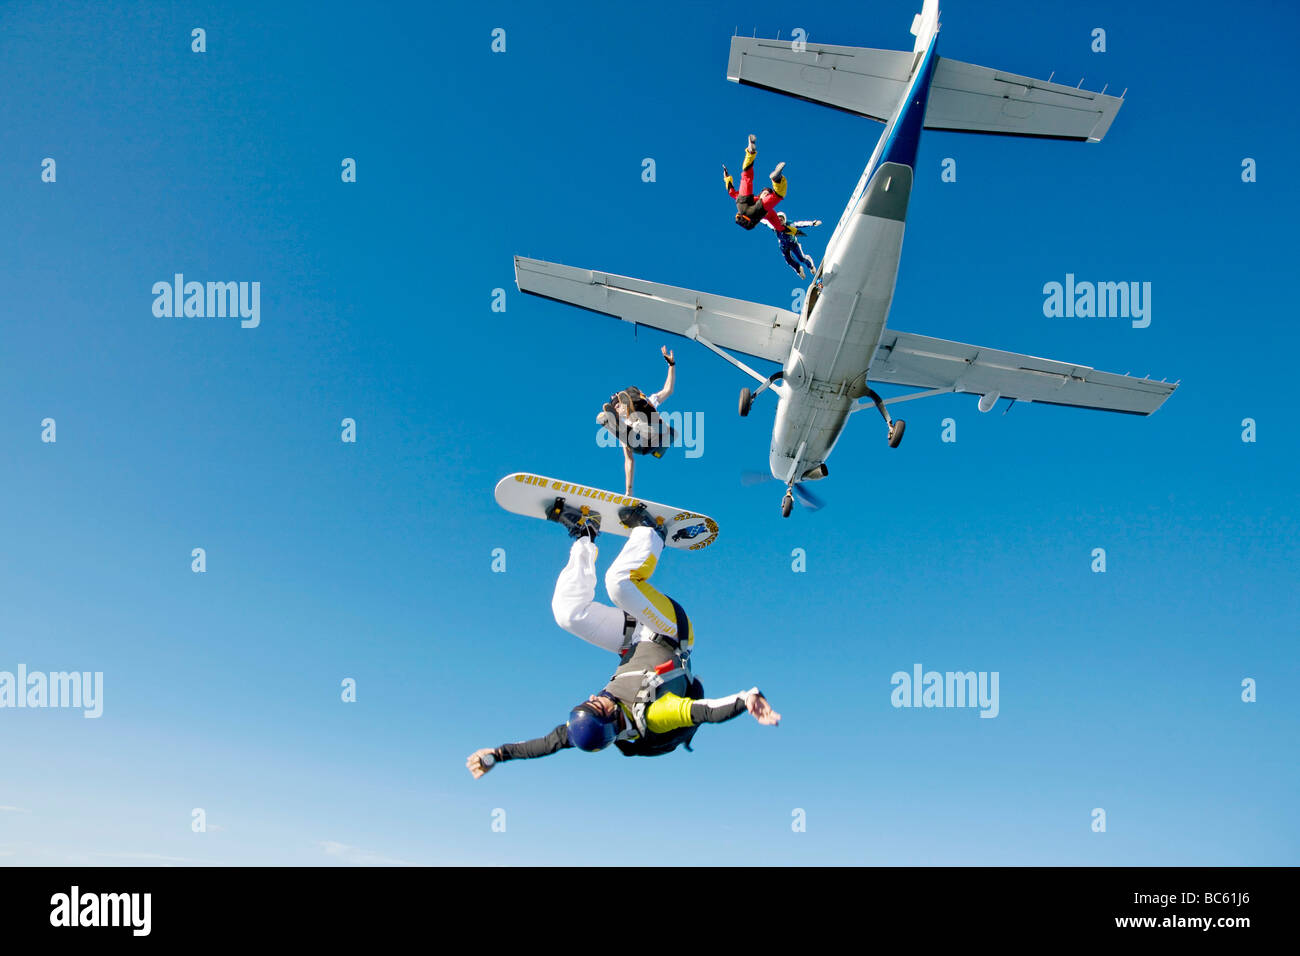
point(855, 79)
point(763, 331)
point(975, 99)
point(963, 97)
point(924, 362)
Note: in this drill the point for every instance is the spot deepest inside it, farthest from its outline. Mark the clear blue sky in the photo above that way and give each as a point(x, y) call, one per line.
point(373, 561)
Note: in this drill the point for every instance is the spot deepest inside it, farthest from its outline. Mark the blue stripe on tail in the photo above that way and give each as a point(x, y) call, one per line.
point(905, 137)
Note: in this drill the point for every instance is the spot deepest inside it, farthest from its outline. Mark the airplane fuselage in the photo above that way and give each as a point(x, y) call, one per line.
point(846, 308)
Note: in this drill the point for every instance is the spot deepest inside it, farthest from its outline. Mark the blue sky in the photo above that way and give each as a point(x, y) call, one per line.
point(373, 560)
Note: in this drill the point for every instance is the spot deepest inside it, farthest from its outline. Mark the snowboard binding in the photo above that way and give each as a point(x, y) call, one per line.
point(639, 516)
point(580, 522)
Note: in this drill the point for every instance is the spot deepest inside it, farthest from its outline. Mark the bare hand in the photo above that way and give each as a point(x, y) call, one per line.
point(761, 710)
point(475, 762)
point(668, 356)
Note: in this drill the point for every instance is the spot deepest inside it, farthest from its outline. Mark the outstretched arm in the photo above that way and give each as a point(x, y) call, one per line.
point(671, 711)
point(661, 396)
point(717, 710)
point(481, 761)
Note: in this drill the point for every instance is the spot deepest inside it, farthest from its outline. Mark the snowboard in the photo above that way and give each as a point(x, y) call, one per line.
point(531, 495)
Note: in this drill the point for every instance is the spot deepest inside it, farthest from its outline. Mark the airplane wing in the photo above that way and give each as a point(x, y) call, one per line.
point(762, 331)
point(924, 362)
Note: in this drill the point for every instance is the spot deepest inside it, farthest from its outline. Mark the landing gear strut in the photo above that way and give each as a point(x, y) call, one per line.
point(747, 397)
point(895, 427)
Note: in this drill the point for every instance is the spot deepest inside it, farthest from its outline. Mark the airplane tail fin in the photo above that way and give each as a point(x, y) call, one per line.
point(925, 25)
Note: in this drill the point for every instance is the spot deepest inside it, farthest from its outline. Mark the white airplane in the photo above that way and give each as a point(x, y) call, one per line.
point(838, 346)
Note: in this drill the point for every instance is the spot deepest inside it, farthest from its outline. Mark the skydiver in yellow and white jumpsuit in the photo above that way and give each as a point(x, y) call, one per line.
point(653, 703)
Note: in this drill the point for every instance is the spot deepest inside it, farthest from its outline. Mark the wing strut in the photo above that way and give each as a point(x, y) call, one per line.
point(860, 405)
point(694, 333)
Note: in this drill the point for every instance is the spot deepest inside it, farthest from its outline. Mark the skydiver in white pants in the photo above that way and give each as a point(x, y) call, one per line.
point(653, 704)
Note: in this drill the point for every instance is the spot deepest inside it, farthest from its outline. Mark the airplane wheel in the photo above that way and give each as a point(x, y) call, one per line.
point(746, 400)
point(786, 504)
point(896, 432)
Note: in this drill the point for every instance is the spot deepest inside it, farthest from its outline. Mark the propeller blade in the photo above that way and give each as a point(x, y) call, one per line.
point(809, 499)
point(806, 497)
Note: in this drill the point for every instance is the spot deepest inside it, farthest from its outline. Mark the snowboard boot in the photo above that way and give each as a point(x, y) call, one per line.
point(580, 522)
point(639, 516)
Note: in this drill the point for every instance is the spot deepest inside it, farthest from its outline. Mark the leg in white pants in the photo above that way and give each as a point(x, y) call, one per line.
point(628, 583)
point(573, 604)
